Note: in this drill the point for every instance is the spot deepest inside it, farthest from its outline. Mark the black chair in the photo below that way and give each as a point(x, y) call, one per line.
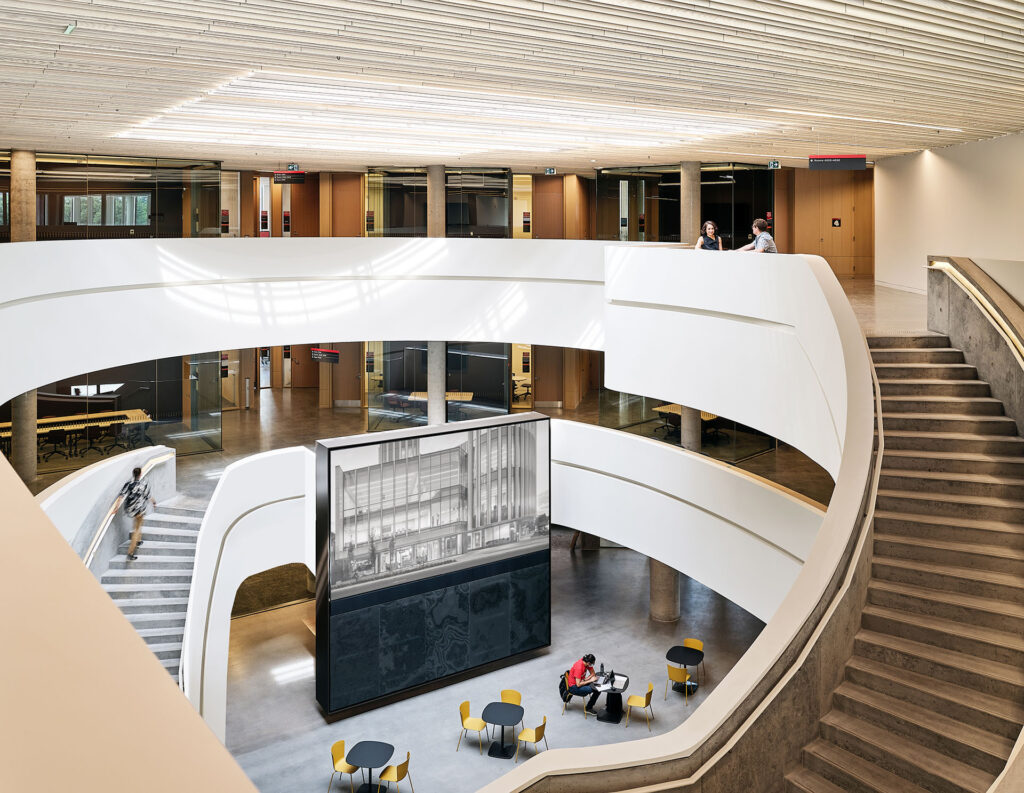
point(115, 432)
point(5, 446)
point(93, 433)
point(58, 441)
point(75, 434)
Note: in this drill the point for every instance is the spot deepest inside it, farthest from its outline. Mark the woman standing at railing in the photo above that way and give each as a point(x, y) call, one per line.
point(709, 239)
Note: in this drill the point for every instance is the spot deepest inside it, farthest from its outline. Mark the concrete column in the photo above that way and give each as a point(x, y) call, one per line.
point(435, 201)
point(689, 429)
point(664, 591)
point(437, 408)
point(689, 202)
point(23, 229)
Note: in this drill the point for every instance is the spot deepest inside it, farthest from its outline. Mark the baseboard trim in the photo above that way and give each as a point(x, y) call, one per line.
point(557, 404)
point(347, 403)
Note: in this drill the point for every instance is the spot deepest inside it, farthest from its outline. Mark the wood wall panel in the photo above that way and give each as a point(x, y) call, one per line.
point(347, 211)
point(306, 207)
point(783, 219)
point(548, 218)
point(820, 196)
point(305, 371)
point(547, 374)
point(276, 220)
point(247, 209)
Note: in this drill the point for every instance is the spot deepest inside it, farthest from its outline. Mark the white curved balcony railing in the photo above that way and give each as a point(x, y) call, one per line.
point(768, 341)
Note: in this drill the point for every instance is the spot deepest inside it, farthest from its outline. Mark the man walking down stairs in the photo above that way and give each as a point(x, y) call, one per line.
point(152, 591)
point(933, 697)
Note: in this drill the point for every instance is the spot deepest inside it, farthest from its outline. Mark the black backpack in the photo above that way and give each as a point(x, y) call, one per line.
point(563, 687)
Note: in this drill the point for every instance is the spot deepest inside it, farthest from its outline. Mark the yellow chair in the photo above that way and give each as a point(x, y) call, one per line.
point(676, 674)
point(637, 701)
point(697, 644)
point(396, 773)
point(512, 697)
point(471, 723)
point(565, 702)
point(532, 735)
point(340, 766)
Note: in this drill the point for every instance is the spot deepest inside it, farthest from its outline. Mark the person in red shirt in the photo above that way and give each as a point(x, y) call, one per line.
point(582, 679)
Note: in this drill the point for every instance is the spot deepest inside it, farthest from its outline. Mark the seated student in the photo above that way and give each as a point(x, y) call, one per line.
point(763, 242)
point(582, 679)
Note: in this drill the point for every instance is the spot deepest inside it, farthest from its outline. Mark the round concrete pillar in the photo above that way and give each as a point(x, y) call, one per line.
point(664, 591)
point(689, 202)
point(437, 407)
point(23, 229)
point(689, 428)
point(435, 201)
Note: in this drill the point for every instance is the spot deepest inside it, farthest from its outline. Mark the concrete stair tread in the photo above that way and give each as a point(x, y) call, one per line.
point(157, 587)
point(143, 619)
point(921, 365)
point(953, 436)
point(151, 602)
point(166, 545)
point(985, 576)
point(911, 752)
point(976, 632)
point(146, 633)
point(1006, 673)
point(944, 520)
point(924, 381)
point(864, 771)
point(186, 562)
point(930, 720)
point(170, 664)
point(942, 476)
point(1000, 551)
point(952, 598)
point(947, 417)
point(170, 517)
point(966, 697)
point(978, 457)
point(956, 498)
point(915, 349)
point(165, 647)
point(940, 398)
point(187, 535)
point(806, 781)
point(145, 572)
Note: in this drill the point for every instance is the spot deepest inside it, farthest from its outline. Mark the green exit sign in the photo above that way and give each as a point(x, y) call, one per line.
point(773, 165)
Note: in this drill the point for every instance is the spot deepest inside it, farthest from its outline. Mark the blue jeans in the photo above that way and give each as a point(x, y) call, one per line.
point(582, 691)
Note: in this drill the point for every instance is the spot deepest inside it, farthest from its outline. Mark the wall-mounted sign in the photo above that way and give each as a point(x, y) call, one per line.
point(774, 165)
point(549, 171)
point(264, 223)
point(326, 356)
point(837, 223)
point(526, 362)
point(526, 221)
point(369, 220)
point(768, 215)
point(293, 166)
point(224, 221)
point(286, 222)
point(837, 162)
point(641, 222)
point(369, 361)
point(289, 177)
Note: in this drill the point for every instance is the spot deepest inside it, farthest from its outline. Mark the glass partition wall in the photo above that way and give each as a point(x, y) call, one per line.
point(96, 197)
point(477, 203)
point(175, 402)
point(642, 204)
point(396, 202)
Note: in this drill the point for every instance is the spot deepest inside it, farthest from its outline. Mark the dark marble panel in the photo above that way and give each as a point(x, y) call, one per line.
point(489, 619)
point(355, 657)
point(530, 600)
point(447, 630)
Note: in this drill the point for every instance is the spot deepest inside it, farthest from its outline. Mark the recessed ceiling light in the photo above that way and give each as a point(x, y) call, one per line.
point(70, 28)
point(866, 120)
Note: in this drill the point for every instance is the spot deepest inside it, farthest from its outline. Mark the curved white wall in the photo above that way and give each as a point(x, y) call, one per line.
point(768, 341)
point(259, 518)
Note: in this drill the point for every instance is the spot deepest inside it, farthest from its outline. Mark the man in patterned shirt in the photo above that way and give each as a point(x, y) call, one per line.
point(135, 493)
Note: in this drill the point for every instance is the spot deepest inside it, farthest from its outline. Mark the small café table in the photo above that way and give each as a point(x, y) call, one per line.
point(686, 657)
point(504, 714)
point(369, 755)
point(612, 689)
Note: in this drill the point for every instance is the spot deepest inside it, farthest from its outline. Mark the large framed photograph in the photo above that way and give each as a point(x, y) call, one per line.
point(450, 524)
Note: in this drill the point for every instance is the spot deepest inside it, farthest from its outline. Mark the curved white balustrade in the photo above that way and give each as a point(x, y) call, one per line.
point(259, 517)
point(769, 341)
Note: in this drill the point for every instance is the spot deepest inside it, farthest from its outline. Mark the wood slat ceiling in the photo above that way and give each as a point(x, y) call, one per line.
point(575, 84)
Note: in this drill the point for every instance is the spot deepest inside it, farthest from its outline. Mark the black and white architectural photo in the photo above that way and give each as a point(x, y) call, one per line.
point(423, 505)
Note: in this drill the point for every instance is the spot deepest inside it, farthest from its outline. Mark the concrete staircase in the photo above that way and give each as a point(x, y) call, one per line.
point(933, 697)
point(152, 591)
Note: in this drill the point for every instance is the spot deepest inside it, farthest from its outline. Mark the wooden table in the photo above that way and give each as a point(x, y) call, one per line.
point(674, 410)
point(450, 396)
point(80, 421)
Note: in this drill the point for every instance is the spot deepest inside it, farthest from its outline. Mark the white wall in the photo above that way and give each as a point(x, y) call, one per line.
point(965, 200)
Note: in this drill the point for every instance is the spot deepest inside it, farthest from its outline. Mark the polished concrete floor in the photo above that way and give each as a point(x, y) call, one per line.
point(599, 604)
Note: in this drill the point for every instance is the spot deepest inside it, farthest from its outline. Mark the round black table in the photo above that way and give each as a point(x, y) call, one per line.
point(369, 755)
point(612, 711)
point(504, 714)
point(686, 657)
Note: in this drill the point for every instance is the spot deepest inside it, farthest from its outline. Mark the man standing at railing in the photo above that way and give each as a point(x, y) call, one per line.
point(135, 493)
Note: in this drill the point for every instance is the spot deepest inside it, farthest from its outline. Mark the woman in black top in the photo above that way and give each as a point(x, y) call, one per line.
point(709, 239)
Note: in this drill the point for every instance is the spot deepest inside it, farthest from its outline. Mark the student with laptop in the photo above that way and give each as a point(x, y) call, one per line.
point(583, 681)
